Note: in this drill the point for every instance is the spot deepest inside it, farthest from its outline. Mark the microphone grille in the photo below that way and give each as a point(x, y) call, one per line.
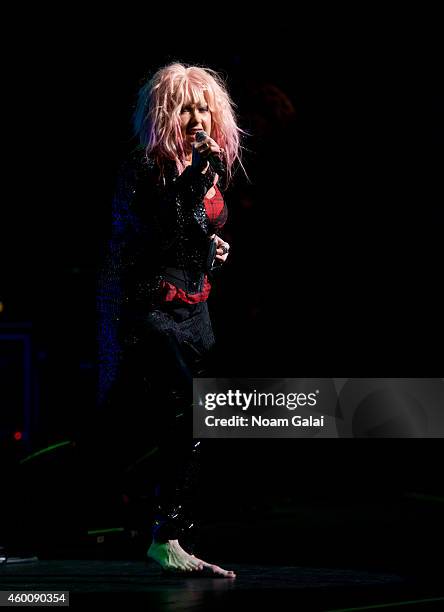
point(201, 136)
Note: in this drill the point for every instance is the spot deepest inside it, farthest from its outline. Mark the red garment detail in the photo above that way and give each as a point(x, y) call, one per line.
point(171, 292)
point(214, 206)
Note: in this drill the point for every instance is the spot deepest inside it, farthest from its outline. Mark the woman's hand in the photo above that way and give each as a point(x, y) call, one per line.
point(204, 148)
point(222, 248)
point(207, 147)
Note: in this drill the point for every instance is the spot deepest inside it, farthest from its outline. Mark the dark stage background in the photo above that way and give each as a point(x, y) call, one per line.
point(335, 267)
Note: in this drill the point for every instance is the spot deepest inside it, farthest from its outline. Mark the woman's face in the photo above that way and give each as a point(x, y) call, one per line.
point(194, 117)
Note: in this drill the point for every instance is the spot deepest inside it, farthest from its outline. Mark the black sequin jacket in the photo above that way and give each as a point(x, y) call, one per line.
point(168, 231)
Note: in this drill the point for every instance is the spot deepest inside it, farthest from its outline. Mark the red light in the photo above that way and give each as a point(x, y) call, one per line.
point(18, 435)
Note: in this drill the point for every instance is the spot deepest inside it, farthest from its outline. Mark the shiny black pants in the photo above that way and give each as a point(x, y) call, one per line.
point(165, 349)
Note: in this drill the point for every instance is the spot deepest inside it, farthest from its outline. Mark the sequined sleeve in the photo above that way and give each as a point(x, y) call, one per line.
point(180, 201)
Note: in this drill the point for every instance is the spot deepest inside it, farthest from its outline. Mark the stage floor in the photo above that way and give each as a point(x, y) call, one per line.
point(137, 584)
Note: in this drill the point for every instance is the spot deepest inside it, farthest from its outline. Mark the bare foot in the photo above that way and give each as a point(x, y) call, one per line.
point(172, 557)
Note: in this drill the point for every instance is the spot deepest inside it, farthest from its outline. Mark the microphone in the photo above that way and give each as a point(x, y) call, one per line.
point(215, 161)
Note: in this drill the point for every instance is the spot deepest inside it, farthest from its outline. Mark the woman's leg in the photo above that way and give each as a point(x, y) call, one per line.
point(182, 350)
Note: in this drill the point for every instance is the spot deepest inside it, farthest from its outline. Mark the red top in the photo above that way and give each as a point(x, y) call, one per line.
point(217, 214)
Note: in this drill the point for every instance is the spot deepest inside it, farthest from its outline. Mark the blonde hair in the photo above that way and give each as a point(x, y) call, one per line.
point(156, 118)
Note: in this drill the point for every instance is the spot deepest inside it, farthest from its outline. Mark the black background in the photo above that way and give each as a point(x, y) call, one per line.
point(335, 264)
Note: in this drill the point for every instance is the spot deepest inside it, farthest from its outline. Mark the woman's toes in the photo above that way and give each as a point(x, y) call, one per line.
point(218, 570)
point(198, 566)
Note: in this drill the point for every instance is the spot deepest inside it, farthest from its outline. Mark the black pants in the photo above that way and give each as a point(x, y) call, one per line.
point(164, 349)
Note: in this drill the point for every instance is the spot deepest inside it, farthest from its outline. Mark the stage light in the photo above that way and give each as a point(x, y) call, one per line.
point(18, 435)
